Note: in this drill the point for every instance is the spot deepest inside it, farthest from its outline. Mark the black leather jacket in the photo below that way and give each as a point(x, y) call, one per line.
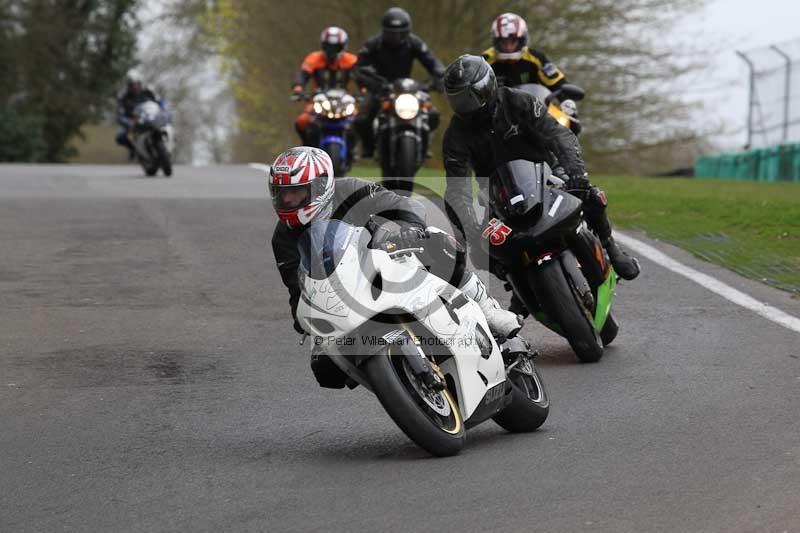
point(519, 127)
point(396, 62)
point(354, 201)
point(127, 102)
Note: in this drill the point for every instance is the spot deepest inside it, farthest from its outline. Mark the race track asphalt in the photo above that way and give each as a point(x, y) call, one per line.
point(150, 380)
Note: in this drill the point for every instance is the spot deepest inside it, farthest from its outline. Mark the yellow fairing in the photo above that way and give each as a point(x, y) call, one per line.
point(559, 115)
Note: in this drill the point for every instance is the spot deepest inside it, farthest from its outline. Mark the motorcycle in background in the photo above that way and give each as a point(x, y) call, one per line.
point(402, 127)
point(153, 138)
point(332, 128)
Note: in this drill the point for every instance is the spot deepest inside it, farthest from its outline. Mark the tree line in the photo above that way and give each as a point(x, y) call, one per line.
point(62, 61)
point(65, 59)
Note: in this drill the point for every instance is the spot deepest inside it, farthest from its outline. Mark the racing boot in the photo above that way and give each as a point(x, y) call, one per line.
point(626, 266)
point(502, 323)
point(327, 373)
point(517, 307)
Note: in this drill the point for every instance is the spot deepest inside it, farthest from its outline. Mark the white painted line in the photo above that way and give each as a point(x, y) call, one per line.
point(713, 284)
point(259, 166)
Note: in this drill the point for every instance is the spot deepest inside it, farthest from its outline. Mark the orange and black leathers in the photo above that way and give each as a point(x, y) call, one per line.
point(324, 76)
point(532, 67)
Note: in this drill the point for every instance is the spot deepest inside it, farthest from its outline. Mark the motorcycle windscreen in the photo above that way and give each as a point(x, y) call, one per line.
point(534, 89)
point(515, 190)
point(322, 246)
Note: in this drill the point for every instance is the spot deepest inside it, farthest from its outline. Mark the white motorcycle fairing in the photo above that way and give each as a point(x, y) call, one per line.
point(368, 282)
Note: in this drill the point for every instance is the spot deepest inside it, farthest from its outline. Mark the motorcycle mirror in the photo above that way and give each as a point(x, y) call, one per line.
point(573, 92)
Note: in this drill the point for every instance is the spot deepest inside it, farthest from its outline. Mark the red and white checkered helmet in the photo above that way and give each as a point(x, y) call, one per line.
point(509, 36)
point(333, 41)
point(302, 170)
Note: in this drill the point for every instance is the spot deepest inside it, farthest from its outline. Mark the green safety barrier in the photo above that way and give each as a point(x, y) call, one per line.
point(776, 163)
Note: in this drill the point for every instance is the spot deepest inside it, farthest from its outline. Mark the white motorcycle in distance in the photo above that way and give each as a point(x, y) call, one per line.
point(153, 138)
point(415, 341)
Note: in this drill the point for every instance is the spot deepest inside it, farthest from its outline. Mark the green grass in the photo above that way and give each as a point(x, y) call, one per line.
point(751, 228)
point(431, 179)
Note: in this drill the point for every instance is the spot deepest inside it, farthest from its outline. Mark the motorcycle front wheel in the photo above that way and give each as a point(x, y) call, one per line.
point(560, 301)
point(406, 157)
point(334, 152)
point(429, 418)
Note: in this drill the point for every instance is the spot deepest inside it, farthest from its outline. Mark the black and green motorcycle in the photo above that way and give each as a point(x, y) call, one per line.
point(554, 264)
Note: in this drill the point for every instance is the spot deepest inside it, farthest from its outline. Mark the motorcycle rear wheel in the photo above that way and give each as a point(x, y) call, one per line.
point(431, 419)
point(150, 169)
point(530, 404)
point(164, 157)
point(609, 331)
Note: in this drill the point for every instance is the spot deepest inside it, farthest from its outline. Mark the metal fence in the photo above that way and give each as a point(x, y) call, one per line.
point(774, 109)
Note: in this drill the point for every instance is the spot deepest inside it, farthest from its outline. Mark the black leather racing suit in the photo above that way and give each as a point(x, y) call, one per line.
point(126, 103)
point(518, 127)
point(391, 63)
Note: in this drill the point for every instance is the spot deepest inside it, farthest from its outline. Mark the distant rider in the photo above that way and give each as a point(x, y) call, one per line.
point(327, 68)
point(513, 61)
point(304, 191)
point(391, 54)
point(135, 93)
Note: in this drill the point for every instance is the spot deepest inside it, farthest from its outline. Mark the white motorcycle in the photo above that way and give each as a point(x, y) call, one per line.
point(415, 341)
point(153, 138)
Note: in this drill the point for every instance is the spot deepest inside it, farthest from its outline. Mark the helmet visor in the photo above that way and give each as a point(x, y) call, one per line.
point(473, 97)
point(289, 197)
point(508, 44)
point(332, 49)
point(394, 38)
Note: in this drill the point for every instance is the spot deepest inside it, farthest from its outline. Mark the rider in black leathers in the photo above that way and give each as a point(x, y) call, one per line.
point(356, 201)
point(135, 93)
point(492, 126)
point(391, 54)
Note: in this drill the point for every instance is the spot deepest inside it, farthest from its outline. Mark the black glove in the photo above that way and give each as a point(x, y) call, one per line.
point(579, 182)
point(409, 237)
point(446, 242)
point(298, 328)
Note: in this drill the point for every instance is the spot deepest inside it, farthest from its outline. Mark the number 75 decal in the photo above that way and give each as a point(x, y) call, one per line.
point(497, 232)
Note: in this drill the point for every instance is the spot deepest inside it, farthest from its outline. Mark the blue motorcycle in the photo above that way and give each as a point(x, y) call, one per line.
point(332, 128)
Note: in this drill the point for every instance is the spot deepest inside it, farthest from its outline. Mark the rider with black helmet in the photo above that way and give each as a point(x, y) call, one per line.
point(492, 126)
point(391, 54)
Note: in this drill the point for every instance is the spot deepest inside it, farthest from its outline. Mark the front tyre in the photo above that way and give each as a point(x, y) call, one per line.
point(334, 151)
point(429, 418)
point(406, 156)
point(560, 301)
point(530, 404)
